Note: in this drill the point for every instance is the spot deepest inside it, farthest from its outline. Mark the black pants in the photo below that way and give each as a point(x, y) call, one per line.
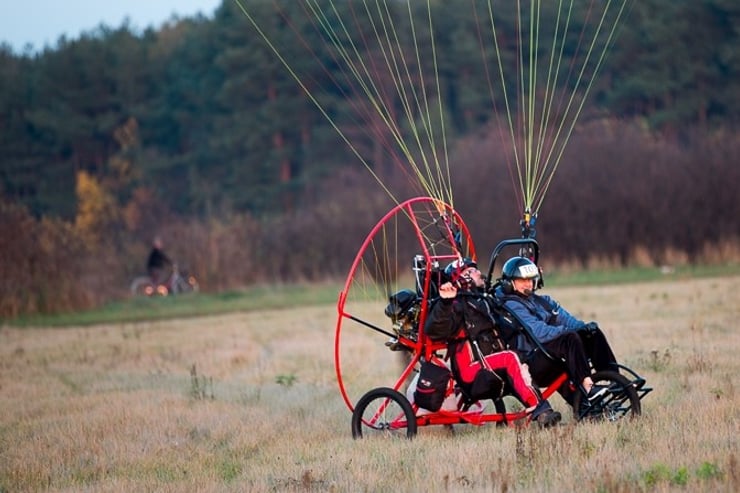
point(580, 350)
point(598, 351)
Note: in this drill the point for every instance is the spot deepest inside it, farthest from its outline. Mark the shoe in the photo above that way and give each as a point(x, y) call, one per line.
point(548, 419)
point(540, 408)
point(596, 392)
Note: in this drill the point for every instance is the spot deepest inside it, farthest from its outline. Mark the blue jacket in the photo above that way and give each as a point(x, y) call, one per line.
point(544, 317)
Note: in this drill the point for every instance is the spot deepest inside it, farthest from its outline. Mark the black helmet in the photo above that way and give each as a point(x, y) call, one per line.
point(519, 268)
point(455, 268)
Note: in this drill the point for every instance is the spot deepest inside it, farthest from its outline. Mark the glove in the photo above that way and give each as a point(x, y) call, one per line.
point(591, 327)
point(447, 291)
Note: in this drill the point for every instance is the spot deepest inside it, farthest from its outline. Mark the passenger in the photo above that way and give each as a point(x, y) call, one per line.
point(481, 363)
point(581, 345)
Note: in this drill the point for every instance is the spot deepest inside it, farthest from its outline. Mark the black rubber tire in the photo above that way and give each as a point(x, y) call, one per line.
point(397, 418)
point(621, 399)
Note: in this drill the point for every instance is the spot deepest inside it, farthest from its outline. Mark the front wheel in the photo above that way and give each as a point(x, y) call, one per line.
point(383, 411)
point(185, 284)
point(620, 399)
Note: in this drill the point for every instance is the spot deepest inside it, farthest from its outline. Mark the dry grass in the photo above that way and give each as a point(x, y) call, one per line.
point(248, 402)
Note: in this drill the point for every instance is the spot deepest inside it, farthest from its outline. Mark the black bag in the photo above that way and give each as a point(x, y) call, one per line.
point(431, 386)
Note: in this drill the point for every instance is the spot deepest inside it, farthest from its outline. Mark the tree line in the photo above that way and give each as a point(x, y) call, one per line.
point(204, 114)
point(196, 133)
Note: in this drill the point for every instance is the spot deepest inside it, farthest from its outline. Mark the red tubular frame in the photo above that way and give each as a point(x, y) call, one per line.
point(424, 347)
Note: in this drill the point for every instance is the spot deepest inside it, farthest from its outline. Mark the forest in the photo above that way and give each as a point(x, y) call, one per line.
point(196, 132)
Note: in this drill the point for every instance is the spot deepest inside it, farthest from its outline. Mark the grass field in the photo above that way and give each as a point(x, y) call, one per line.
point(248, 402)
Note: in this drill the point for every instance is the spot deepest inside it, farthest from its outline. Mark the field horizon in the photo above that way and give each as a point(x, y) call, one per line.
point(248, 401)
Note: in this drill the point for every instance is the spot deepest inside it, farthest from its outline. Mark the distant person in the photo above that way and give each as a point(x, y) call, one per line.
point(158, 265)
point(581, 345)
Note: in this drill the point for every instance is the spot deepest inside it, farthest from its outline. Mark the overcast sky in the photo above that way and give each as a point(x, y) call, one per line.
point(42, 22)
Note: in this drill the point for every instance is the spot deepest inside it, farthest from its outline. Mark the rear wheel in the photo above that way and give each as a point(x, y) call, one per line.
point(383, 412)
point(143, 286)
point(184, 284)
point(620, 399)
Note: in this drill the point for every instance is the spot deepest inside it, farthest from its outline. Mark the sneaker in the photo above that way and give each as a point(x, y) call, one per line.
point(541, 407)
point(597, 391)
point(548, 419)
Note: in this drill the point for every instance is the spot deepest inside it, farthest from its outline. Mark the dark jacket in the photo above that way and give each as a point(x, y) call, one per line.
point(157, 261)
point(469, 327)
point(467, 316)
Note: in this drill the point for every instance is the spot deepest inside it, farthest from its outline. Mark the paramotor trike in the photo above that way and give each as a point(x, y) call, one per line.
point(386, 297)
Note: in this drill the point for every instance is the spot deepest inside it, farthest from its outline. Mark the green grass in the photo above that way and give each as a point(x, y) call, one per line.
point(281, 296)
point(190, 305)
